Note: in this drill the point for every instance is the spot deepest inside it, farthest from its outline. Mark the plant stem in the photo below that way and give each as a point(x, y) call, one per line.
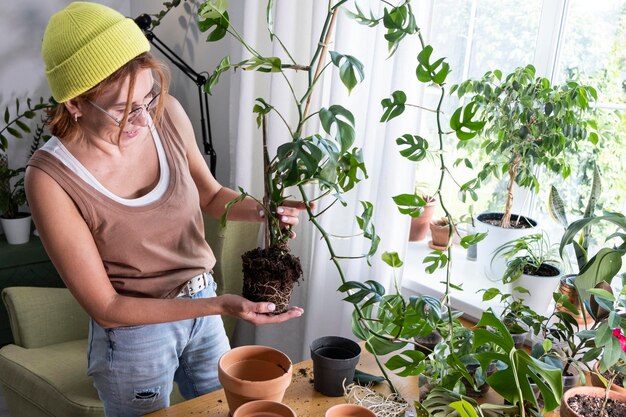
point(322, 47)
point(513, 168)
point(266, 184)
point(335, 260)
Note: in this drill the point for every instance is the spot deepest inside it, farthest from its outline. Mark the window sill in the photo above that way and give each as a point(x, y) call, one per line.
point(464, 273)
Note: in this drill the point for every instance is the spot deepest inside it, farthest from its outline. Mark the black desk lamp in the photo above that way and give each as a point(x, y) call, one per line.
point(145, 22)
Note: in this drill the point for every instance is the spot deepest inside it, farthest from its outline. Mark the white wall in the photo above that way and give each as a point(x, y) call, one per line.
point(23, 22)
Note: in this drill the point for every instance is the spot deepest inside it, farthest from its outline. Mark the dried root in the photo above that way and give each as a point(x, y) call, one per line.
point(389, 406)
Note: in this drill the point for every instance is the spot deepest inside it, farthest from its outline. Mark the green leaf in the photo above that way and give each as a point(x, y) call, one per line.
point(262, 64)
point(469, 240)
point(343, 119)
point(463, 123)
point(269, 18)
point(410, 361)
point(393, 107)
point(416, 147)
point(364, 379)
point(222, 67)
point(7, 115)
point(464, 408)
point(602, 267)
point(392, 259)
point(556, 207)
point(261, 108)
point(350, 69)
point(213, 18)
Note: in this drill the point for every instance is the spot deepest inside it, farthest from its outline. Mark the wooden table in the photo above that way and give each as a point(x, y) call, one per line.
point(300, 395)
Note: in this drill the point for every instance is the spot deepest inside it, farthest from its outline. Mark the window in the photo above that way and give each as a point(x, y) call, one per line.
point(563, 39)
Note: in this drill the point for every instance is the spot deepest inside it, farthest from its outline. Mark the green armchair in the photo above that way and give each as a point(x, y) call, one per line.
point(44, 373)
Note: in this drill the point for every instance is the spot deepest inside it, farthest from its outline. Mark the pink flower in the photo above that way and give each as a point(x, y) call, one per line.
point(617, 332)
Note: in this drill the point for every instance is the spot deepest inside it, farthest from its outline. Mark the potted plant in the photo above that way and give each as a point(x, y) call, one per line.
point(512, 381)
point(441, 231)
point(525, 123)
point(610, 339)
point(517, 317)
point(15, 223)
point(329, 162)
point(531, 269)
point(580, 245)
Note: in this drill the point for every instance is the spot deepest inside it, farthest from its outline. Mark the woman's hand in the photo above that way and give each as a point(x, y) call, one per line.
point(255, 313)
point(288, 214)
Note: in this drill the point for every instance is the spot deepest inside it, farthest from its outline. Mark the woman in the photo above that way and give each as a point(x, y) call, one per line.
point(117, 197)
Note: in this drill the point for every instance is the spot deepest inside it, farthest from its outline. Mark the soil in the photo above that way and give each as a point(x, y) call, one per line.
point(270, 275)
point(517, 222)
point(588, 406)
point(544, 270)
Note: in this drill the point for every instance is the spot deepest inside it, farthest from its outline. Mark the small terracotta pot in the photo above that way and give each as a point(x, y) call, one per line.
point(349, 410)
point(440, 234)
point(597, 382)
point(250, 373)
point(566, 410)
point(419, 225)
point(264, 408)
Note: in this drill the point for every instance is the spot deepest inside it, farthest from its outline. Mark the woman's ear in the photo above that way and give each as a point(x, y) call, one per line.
point(73, 107)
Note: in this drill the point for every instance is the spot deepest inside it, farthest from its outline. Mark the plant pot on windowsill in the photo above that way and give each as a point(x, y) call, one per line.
point(617, 385)
point(591, 398)
point(497, 236)
point(541, 284)
point(419, 225)
point(440, 234)
point(17, 228)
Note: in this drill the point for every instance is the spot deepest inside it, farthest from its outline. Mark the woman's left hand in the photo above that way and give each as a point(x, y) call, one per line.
point(288, 214)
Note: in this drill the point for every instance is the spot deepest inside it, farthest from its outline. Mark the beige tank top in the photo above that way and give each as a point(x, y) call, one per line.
point(150, 250)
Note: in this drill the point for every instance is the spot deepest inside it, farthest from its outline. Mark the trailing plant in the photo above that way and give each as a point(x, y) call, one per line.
point(524, 123)
point(327, 160)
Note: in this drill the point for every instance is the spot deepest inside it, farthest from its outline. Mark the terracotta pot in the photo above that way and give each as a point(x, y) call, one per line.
point(566, 410)
point(334, 361)
point(264, 408)
point(440, 234)
point(250, 373)
point(349, 410)
point(597, 382)
point(419, 225)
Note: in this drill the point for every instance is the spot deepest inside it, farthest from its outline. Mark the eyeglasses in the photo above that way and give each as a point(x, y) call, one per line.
point(134, 114)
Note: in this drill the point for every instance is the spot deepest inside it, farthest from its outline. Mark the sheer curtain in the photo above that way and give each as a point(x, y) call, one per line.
point(298, 25)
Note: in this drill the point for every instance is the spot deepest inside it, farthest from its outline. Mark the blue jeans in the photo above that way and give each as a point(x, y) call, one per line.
point(134, 367)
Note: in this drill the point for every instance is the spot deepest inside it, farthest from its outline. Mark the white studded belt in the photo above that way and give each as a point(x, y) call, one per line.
point(195, 285)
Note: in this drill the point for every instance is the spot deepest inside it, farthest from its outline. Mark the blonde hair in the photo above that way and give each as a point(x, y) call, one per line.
point(61, 121)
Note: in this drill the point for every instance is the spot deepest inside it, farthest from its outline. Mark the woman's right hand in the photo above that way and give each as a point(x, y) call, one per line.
point(255, 313)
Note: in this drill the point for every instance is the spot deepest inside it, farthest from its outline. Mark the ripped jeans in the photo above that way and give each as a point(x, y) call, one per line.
point(134, 367)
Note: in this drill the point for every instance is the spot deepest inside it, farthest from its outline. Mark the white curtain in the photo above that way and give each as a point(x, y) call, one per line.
point(298, 24)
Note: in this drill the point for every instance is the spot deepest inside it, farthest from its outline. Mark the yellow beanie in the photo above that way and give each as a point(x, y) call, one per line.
point(85, 43)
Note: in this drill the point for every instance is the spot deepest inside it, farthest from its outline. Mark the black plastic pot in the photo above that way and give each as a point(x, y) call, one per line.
point(334, 361)
point(426, 344)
